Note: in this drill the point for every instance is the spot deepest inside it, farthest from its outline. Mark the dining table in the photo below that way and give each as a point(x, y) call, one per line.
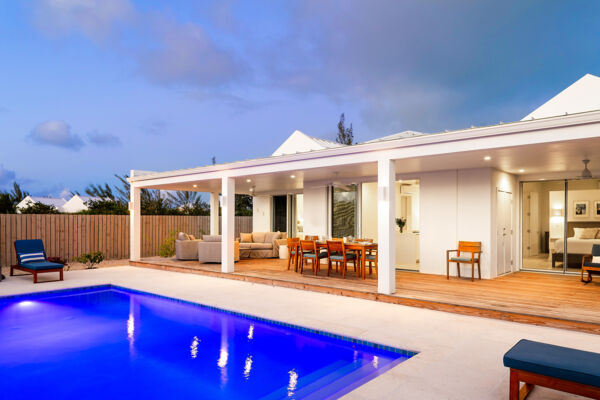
point(361, 247)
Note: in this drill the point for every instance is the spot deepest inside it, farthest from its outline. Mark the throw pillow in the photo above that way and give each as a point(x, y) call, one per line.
point(596, 259)
point(192, 237)
point(258, 237)
point(589, 233)
point(182, 236)
point(245, 237)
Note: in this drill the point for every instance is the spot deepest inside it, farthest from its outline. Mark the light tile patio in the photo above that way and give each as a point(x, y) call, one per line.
point(460, 356)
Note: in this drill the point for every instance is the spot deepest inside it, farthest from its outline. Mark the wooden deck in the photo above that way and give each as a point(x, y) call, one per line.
point(542, 299)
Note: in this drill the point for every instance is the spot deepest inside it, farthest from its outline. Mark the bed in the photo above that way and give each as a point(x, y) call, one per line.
point(576, 249)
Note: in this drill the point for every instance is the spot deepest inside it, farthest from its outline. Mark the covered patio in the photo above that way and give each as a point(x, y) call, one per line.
point(470, 189)
point(533, 298)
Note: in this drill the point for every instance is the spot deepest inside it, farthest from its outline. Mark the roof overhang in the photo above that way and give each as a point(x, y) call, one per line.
point(576, 135)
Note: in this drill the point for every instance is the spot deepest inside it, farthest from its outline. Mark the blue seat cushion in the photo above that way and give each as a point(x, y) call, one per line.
point(312, 255)
point(591, 264)
point(41, 265)
point(463, 259)
point(370, 257)
point(339, 257)
point(555, 361)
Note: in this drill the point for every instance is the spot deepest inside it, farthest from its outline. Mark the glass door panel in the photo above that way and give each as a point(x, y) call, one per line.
point(543, 216)
point(583, 220)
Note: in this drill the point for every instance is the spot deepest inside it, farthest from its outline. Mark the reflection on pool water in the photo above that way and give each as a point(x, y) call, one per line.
point(109, 342)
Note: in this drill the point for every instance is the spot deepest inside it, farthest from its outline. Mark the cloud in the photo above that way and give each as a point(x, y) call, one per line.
point(56, 133)
point(103, 139)
point(184, 54)
point(7, 176)
point(154, 127)
point(94, 18)
point(171, 52)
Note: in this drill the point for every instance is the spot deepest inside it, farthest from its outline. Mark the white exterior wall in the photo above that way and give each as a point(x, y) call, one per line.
point(262, 214)
point(457, 205)
point(315, 211)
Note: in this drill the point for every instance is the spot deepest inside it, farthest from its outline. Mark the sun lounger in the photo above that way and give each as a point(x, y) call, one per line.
point(31, 258)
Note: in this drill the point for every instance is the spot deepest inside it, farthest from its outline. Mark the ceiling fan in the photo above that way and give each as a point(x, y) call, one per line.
point(586, 173)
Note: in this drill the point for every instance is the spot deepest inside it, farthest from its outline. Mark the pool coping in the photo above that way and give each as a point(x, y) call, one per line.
point(108, 286)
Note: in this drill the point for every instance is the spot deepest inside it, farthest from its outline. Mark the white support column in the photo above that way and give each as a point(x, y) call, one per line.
point(214, 213)
point(386, 232)
point(135, 224)
point(228, 224)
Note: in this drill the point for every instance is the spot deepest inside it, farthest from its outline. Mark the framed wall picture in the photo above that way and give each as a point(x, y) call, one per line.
point(597, 209)
point(581, 208)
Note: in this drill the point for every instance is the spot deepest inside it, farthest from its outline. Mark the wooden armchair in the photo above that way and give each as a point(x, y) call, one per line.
point(588, 265)
point(474, 258)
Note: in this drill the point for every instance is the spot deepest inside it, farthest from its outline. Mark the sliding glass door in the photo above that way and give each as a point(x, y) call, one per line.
point(560, 223)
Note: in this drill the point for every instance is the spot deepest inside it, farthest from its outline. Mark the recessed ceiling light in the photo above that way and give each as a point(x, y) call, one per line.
point(521, 170)
point(542, 179)
point(248, 180)
point(195, 185)
point(292, 176)
point(487, 158)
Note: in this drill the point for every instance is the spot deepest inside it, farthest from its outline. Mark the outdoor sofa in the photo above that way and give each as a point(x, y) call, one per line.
point(261, 244)
point(209, 249)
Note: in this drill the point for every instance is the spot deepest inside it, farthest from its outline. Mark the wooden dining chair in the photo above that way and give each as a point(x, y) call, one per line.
point(311, 237)
point(474, 248)
point(336, 252)
point(293, 244)
point(371, 257)
point(309, 251)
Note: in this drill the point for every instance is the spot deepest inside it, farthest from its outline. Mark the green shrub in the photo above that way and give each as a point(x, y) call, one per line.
point(91, 259)
point(167, 248)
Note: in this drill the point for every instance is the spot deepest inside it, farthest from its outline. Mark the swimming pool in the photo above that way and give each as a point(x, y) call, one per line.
point(108, 342)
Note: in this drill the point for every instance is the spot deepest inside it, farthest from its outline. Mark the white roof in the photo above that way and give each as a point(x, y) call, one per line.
point(88, 198)
point(581, 96)
point(49, 201)
point(400, 135)
point(299, 142)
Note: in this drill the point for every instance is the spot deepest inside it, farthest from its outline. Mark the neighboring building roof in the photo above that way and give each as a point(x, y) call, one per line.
point(88, 198)
point(581, 96)
point(401, 135)
point(299, 142)
point(57, 202)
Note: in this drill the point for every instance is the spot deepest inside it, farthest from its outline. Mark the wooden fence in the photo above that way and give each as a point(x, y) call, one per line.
point(69, 236)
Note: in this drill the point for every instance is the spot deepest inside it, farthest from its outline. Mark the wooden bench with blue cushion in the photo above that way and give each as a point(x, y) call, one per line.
point(31, 257)
point(555, 367)
point(591, 264)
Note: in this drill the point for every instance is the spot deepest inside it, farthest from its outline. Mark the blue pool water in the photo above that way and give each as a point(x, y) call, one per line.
point(114, 343)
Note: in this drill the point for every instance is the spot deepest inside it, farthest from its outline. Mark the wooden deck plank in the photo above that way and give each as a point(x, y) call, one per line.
point(542, 299)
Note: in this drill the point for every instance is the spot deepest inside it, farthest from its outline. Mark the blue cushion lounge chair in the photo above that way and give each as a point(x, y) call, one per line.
point(31, 257)
point(588, 266)
point(555, 367)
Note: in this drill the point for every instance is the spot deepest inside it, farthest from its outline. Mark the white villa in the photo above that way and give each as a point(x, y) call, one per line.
point(519, 188)
point(75, 204)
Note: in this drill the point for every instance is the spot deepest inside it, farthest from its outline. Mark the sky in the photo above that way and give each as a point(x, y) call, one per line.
point(92, 88)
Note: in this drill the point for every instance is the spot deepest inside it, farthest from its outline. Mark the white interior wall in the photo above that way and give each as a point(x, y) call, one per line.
point(262, 214)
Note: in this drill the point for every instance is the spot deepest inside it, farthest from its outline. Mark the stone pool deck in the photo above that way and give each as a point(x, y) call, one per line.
point(460, 356)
